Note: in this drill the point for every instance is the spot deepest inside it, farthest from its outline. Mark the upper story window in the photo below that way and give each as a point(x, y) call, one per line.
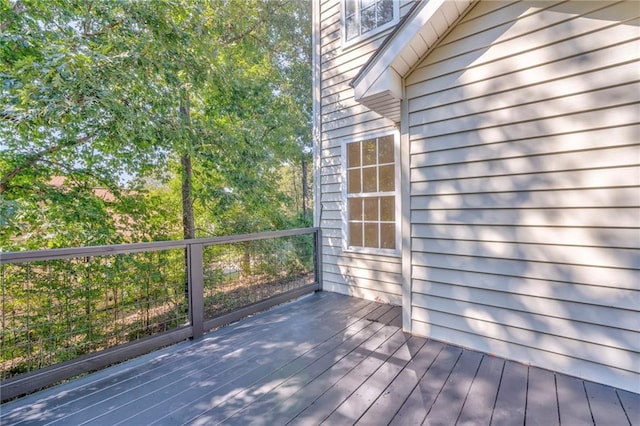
point(372, 195)
point(362, 18)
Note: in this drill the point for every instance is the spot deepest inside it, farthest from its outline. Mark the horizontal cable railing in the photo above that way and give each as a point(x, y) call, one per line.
point(69, 311)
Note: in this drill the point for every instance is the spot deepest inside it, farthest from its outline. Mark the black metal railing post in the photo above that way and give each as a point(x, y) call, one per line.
point(195, 281)
point(317, 235)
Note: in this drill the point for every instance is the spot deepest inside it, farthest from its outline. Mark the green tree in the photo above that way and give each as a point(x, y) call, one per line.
point(140, 120)
point(111, 94)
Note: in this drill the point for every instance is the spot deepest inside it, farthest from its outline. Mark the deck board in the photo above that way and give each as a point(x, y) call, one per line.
point(322, 407)
point(419, 403)
point(250, 394)
point(324, 358)
point(448, 405)
point(385, 407)
point(139, 382)
point(354, 406)
point(512, 395)
point(278, 396)
point(605, 405)
point(542, 401)
point(572, 401)
point(169, 392)
point(631, 403)
point(309, 392)
point(481, 399)
point(198, 397)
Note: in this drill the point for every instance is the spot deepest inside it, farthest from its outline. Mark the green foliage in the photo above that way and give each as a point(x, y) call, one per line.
point(57, 310)
point(100, 100)
point(111, 94)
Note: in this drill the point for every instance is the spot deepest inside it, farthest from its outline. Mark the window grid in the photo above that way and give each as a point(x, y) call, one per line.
point(363, 16)
point(371, 194)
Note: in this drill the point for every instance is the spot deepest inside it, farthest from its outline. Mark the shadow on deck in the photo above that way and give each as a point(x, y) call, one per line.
point(324, 358)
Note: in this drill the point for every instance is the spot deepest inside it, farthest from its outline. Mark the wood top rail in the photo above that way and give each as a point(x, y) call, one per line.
point(63, 253)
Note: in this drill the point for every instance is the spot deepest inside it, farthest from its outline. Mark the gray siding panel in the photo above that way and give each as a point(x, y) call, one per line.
point(587, 275)
point(531, 199)
point(450, 281)
point(562, 64)
point(574, 255)
point(525, 186)
point(573, 237)
point(613, 341)
point(601, 177)
point(596, 220)
point(372, 277)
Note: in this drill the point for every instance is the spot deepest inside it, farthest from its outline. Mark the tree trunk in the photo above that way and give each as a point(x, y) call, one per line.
point(305, 188)
point(188, 222)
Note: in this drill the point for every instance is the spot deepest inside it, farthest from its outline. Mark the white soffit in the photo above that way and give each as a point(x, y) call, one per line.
point(378, 85)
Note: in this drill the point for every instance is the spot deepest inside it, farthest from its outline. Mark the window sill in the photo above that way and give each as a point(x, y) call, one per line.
point(346, 45)
point(372, 251)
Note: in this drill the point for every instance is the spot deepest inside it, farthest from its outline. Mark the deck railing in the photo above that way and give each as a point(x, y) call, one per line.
point(68, 311)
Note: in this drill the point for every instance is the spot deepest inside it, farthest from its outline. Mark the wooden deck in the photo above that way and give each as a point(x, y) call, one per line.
point(323, 359)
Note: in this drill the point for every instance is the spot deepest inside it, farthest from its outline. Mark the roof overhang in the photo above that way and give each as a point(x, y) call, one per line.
point(378, 85)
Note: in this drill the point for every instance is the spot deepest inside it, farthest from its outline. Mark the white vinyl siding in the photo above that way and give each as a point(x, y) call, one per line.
point(374, 277)
point(524, 138)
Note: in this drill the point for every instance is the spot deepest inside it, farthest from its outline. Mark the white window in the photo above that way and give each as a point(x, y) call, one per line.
point(372, 195)
point(362, 18)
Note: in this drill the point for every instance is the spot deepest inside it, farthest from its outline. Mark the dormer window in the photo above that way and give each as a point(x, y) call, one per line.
point(362, 18)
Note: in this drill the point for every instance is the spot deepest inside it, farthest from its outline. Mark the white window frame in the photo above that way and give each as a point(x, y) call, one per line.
point(396, 193)
point(361, 37)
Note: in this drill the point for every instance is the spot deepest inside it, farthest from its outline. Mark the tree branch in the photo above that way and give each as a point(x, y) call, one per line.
point(102, 30)
point(32, 159)
point(266, 132)
point(243, 34)
point(17, 9)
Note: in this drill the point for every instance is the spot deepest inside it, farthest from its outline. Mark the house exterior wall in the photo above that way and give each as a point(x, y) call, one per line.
point(523, 135)
point(340, 118)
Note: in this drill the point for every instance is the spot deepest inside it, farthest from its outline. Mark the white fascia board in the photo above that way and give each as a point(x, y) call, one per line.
point(380, 78)
point(389, 82)
point(384, 95)
point(382, 62)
